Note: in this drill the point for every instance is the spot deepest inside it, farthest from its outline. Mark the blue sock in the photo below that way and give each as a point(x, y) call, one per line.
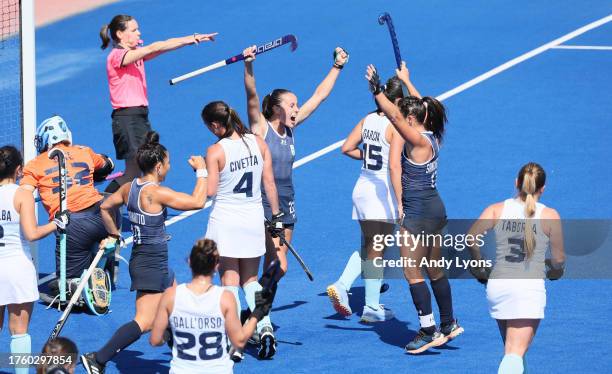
point(249, 294)
point(351, 271)
point(234, 290)
point(421, 297)
point(511, 364)
point(21, 343)
point(442, 291)
point(372, 292)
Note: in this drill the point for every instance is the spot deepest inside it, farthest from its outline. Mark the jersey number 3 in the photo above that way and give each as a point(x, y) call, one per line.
point(245, 184)
point(372, 153)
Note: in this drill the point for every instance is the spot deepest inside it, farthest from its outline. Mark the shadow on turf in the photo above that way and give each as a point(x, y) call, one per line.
point(130, 361)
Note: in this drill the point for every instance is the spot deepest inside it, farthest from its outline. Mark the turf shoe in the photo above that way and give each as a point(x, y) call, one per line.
point(236, 355)
point(90, 364)
point(373, 314)
point(267, 343)
point(423, 341)
point(451, 330)
point(339, 299)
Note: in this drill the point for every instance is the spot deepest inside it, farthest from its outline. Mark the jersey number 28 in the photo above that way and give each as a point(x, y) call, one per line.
point(209, 342)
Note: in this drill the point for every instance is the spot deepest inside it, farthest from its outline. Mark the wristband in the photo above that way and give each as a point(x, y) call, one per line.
point(201, 173)
point(195, 40)
point(339, 67)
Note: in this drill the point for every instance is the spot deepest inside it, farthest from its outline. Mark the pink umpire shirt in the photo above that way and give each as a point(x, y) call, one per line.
point(127, 84)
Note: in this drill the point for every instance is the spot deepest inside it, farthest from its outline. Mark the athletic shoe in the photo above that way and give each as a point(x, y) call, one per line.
point(267, 343)
point(372, 314)
point(424, 341)
point(451, 330)
point(236, 355)
point(90, 364)
point(339, 298)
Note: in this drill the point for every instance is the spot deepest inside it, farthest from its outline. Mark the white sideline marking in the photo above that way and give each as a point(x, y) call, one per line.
point(444, 96)
point(589, 47)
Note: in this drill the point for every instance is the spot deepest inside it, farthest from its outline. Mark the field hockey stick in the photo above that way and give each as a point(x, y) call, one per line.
point(386, 18)
point(239, 57)
point(284, 241)
point(75, 296)
point(63, 189)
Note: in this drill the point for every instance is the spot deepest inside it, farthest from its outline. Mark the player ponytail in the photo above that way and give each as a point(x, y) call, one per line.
point(428, 111)
point(10, 159)
point(270, 101)
point(118, 23)
point(530, 180)
point(150, 153)
point(204, 257)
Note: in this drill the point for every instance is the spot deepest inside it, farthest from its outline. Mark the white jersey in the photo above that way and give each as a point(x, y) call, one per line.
point(198, 330)
point(375, 145)
point(240, 179)
point(236, 221)
point(511, 260)
point(12, 242)
point(373, 196)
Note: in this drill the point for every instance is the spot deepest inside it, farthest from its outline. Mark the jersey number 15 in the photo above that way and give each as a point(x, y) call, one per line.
point(372, 153)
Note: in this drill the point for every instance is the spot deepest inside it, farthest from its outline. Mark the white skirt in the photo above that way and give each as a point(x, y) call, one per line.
point(18, 280)
point(516, 298)
point(373, 198)
point(239, 233)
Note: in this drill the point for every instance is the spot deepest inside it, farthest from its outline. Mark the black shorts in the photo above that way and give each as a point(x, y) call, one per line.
point(424, 212)
point(130, 127)
point(286, 204)
point(83, 234)
point(149, 268)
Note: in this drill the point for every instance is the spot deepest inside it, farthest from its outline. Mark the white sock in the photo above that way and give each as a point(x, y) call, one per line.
point(352, 270)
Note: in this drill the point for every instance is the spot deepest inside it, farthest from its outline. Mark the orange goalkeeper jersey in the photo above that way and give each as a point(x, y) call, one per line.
point(43, 173)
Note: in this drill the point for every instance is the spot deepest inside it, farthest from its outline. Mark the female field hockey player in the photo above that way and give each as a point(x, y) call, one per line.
point(17, 273)
point(202, 317)
point(147, 202)
point(420, 123)
point(515, 288)
point(128, 86)
point(83, 167)
point(238, 165)
point(374, 205)
point(275, 122)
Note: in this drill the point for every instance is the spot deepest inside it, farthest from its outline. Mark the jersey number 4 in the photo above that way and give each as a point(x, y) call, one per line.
point(209, 341)
point(245, 184)
point(372, 153)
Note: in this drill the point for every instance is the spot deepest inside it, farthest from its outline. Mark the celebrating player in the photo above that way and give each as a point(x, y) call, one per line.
point(147, 204)
point(83, 167)
point(238, 165)
point(420, 122)
point(374, 205)
point(17, 273)
point(128, 86)
point(201, 347)
point(515, 290)
point(275, 123)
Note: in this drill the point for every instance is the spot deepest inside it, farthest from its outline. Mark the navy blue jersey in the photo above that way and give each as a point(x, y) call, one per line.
point(147, 228)
point(419, 177)
point(282, 150)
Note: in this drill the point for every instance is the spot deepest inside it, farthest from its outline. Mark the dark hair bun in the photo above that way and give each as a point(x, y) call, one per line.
point(152, 138)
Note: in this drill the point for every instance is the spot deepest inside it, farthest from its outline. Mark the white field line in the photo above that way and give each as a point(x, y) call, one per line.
point(444, 96)
point(585, 47)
